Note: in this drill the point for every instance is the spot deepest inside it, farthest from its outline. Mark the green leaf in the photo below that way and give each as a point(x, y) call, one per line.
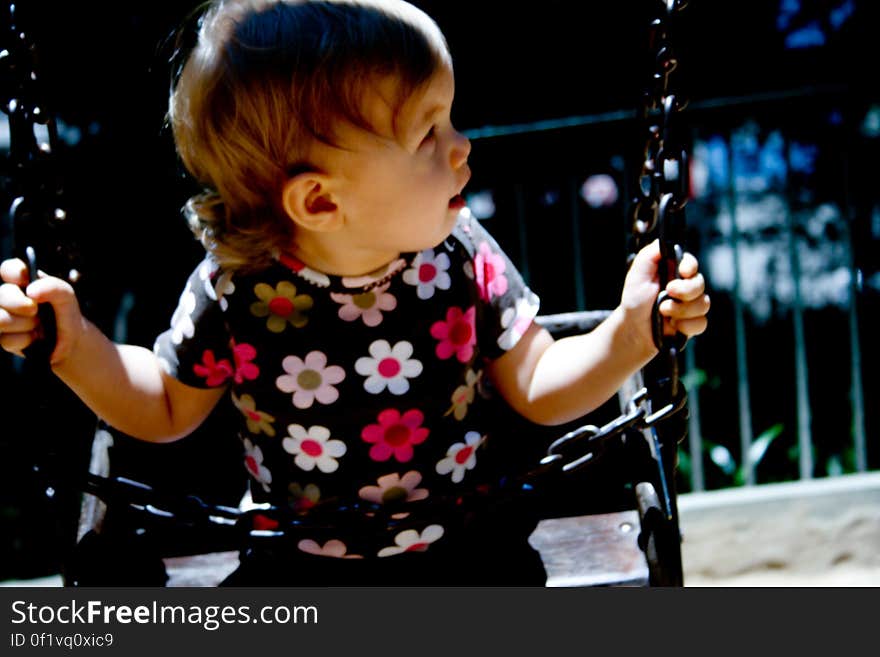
point(834, 466)
point(693, 379)
point(721, 457)
point(759, 446)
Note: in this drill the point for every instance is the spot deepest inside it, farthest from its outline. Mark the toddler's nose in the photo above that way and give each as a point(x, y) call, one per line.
point(461, 149)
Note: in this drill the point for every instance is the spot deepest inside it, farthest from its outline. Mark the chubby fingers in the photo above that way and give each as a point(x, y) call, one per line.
point(691, 286)
point(688, 266)
point(14, 301)
point(14, 271)
point(18, 319)
point(688, 305)
point(688, 317)
point(686, 289)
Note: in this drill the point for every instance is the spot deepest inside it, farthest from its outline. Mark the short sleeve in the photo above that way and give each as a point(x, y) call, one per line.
point(507, 307)
point(195, 349)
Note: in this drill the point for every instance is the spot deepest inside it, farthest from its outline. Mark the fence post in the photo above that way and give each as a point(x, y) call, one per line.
point(577, 249)
point(695, 437)
point(804, 420)
point(521, 224)
point(742, 364)
point(857, 399)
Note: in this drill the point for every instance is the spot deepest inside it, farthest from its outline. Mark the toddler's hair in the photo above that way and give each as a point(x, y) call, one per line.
point(265, 81)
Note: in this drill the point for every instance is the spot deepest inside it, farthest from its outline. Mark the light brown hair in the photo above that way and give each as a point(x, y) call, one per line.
point(266, 79)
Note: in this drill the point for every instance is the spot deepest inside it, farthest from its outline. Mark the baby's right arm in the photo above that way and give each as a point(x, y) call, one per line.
point(123, 384)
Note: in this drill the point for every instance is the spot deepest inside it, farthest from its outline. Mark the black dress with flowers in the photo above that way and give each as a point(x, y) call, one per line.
point(358, 390)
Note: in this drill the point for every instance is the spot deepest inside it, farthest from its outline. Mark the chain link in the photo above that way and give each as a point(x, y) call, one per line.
point(39, 224)
point(658, 211)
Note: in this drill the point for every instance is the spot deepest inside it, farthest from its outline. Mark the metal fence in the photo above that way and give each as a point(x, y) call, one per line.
point(784, 215)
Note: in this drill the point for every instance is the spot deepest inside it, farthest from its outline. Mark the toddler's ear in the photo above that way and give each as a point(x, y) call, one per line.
point(308, 201)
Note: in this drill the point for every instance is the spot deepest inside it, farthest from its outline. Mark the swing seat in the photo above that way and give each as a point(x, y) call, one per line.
point(601, 525)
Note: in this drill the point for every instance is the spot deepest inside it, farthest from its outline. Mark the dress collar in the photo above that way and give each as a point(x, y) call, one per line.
point(348, 284)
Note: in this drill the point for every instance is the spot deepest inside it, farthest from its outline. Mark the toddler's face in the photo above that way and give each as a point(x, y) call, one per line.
point(401, 184)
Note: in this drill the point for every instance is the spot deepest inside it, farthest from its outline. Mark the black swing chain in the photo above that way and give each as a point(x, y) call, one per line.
point(658, 212)
point(38, 223)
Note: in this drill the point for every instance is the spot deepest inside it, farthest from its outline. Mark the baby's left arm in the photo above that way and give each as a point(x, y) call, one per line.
point(551, 382)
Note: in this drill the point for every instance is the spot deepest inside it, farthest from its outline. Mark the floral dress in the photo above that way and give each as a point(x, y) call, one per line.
point(360, 390)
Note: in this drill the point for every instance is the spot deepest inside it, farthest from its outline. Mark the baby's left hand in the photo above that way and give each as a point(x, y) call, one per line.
point(685, 312)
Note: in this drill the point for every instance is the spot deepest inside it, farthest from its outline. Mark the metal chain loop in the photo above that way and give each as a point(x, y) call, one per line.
point(39, 224)
point(658, 212)
point(577, 448)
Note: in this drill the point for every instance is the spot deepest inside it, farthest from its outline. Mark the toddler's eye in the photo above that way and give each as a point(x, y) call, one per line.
point(429, 136)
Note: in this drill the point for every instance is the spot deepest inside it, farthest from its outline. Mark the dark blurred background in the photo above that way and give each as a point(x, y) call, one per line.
point(783, 128)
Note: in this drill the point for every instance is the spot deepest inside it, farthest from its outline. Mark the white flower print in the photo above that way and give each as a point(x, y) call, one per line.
point(221, 288)
point(310, 379)
point(428, 272)
point(412, 541)
point(164, 363)
point(516, 320)
point(253, 461)
point(181, 321)
point(332, 548)
point(461, 457)
point(313, 448)
point(394, 488)
point(368, 306)
point(389, 367)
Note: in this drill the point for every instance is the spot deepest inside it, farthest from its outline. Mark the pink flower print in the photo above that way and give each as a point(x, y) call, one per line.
point(395, 435)
point(516, 321)
point(389, 367)
point(332, 548)
point(489, 272)
point(313, 448)
point(253, 461)
point(281, 305)
point(257, 421)
point(214, 372)
point(412, 541)
point(463, 395)
point(428, 272)
point(310, 379)
point(393, 488)
point(265, 523)
point(457, 335)
point(243, 354)
point(302, 499)
point(461, 457)
point(367, 306)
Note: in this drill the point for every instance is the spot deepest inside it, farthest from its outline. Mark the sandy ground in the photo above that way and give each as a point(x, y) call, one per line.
point(843, 576)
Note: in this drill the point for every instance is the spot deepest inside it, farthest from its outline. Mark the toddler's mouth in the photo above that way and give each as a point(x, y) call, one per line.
point(457, 202)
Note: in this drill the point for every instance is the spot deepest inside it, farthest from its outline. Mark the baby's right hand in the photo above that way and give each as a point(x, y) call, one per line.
point(18, 310)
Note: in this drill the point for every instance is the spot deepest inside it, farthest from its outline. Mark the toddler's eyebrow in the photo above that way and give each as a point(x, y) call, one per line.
point(429, 114)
